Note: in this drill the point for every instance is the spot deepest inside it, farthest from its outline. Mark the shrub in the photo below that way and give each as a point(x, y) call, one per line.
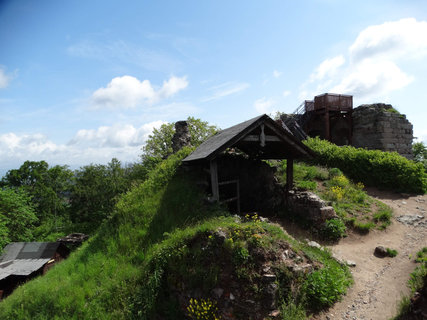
point(363, 227)
point(373, 167)
point(334, 229)
point(291, 311)
point(306, 185)
point(391, 252)
point(334, 172)
point(325, 286)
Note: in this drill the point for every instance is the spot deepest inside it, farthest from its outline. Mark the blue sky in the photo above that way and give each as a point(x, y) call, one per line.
point(85, 81)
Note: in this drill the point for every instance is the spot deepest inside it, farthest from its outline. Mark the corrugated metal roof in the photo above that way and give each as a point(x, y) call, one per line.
point(24, 258)
point(21, 267)
point(230, 136)
point(29, 250)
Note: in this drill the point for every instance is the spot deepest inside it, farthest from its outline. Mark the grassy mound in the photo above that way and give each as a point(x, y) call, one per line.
point(163, 251)
point(239, 270)
point(387, 170)
point(354, 207)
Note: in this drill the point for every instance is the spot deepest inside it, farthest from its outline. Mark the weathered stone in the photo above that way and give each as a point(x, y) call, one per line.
point(380, 252)
point(310, 206)
point(181, 137)
point(375, 127)
point(218, 292)
point(274, 313)
point(314, 244)
point(350, 263)
point(268, 278)
point(220, 236)
point(410, 219)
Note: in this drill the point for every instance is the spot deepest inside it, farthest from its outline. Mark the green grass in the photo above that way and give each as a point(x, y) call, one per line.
point(353, 206)
point(417, 281)
point(391, 252)
point(120, 272)
point(386, 170)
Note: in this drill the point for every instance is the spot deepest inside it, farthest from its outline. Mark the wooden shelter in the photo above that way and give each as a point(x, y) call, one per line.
point(259, 138)
point(22, 261)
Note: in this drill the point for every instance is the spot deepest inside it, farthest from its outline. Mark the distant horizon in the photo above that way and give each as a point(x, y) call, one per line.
point(85, 82)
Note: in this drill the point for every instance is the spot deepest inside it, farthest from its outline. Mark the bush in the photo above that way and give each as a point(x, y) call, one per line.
point(363, 227)
point(373, 167)
point(334, 229)
point(391, 252)
point(325, 286)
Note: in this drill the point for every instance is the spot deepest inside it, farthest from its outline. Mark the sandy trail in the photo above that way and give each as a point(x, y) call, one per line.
point(380, 283)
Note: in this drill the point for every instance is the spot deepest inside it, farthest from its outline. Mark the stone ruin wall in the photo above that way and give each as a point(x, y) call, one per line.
point(375, 127)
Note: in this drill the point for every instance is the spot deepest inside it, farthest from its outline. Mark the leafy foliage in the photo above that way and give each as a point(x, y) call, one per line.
point(159, 143)
point(334, 229)
point(391, 252)
point(47, 187)
point(372, 167)
point(355, 209)
point(419, 150)
point(325, 286)
point(17, 216)
point(94, 191)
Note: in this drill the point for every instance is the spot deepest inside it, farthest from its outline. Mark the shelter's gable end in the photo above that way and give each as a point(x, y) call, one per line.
point(222, 140)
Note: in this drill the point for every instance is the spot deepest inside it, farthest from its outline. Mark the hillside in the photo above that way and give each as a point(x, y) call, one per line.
point(164, 250)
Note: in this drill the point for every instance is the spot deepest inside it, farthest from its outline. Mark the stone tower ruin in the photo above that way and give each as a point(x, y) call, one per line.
point(371, 126)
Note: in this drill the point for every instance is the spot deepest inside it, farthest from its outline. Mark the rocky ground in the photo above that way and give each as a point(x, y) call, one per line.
point(379, 283)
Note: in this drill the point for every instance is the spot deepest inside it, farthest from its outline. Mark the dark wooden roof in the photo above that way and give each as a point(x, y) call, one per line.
point(246, 136)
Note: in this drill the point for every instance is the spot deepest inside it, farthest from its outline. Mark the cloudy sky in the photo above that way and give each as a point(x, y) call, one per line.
point(85, 81)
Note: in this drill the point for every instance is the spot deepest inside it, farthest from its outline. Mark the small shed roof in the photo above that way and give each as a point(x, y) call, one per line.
point(279, 144)
point(24, 258)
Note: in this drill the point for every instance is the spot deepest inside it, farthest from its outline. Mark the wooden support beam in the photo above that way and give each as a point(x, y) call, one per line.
point(214, 179)
point(256, 138)
point(327, 126)
point(262, 136)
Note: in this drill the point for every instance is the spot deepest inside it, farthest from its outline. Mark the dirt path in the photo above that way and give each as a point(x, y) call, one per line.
point(380, 283)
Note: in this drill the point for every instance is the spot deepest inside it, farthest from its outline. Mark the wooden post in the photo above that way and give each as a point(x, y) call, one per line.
point(214, 179)
point(262, 136)
point(238, 195)
point(327, 125)
point(289, 173)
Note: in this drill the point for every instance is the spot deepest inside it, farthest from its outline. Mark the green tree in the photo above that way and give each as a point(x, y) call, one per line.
point(17, 216)
point(419, 150)
point(94, 192)
point(48, 187)
point(159, 143)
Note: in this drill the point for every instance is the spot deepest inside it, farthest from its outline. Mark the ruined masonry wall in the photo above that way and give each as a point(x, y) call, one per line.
point(374, 127)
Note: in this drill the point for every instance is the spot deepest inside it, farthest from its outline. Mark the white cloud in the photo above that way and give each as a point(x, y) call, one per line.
point(328, 67)
point(225, 89)
point(286, 93)
point(406, 38)
point(4, 79)
point(277, 74)
point(116, 136)
point(372, 78)
point(100, 145)
point(374, 68)
point(264, 105)
point(128, 92)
